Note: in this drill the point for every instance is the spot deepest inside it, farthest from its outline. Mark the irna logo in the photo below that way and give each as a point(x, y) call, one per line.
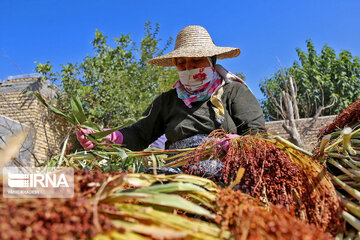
point(35, 180)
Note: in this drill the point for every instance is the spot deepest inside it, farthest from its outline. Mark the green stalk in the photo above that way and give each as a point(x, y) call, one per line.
point(204, 230)
point(291, 145)
point(341, 156)
point(351, 234)
point(341, 168)
point(145, 180)
point(323, 143)
point(344, 177)
point(355, 141)
point(352, 220)
point(355, 172)
point(202, 200)
point(184, 160)
point(353, 184)
point(353, 192)
point(333, 145)
point(336, 134)
point(115, 235)
point(339, 236)
point(156, 232)
point(356, 133)
point(352, 207)
point(160, 199)
point(175, 157)
point(63, 149)
point(350, 164)
point(346, 141)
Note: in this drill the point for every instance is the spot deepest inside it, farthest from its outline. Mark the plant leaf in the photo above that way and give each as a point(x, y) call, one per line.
point(90, 125)
point(196, 228)
point(161, 199)
point(69, 117)
point(121, 152)
point(78, 109)
point(157, 232)
point(170, 187)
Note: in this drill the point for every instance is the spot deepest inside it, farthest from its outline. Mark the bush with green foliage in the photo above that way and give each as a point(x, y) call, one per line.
point(319, 79)
point(115, 83)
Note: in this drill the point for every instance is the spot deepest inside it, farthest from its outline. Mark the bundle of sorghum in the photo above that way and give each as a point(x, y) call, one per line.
point(55, 218)
point(278, 175)
point(346, 118)
point(247, 218)
point(118, 206)
point(340, 150)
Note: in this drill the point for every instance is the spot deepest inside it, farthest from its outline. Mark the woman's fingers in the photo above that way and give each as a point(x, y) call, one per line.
point(87, 144)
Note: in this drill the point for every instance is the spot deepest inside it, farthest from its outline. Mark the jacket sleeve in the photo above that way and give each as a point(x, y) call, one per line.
point(245, 110)
point(139, 135)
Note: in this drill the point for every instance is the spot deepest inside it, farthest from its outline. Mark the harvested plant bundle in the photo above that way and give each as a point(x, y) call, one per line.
point(117, 206)
point(106, 156)
point(249, 219)
point(274, 173)
point(340, 149)
point(348, 117)
point(54, 218)
point(115, 158)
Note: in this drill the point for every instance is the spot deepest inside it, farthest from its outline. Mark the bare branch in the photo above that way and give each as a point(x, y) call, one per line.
point(290, 125)
point(316, 116)
point(286, 103)
point(322, 96)
point(279, 108)
point(293, 96)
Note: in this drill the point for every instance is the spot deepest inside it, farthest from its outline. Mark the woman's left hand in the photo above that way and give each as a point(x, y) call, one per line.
point(225, 142)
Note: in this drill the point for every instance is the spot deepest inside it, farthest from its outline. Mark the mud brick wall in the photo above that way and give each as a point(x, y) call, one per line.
point(48, 130)
point(310, 141)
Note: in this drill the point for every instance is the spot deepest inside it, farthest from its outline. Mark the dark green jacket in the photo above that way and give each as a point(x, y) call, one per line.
point(168, 114)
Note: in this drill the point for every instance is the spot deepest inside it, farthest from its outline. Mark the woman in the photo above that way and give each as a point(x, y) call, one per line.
point(206, 97)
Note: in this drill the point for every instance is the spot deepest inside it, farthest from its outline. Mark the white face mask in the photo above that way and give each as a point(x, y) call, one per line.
point(195, 78)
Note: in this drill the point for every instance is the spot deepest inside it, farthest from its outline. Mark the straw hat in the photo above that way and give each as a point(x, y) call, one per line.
point(194, 41)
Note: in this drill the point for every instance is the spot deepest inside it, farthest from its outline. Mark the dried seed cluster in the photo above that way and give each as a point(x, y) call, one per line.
point(55, 218)
point(273, 177)
point(347, 117)
point(247, 218)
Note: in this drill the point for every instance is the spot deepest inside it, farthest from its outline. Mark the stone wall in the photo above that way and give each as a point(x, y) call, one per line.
point(47, 129)
point(310, 140)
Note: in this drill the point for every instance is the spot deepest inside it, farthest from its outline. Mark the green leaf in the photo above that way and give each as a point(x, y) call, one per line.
point(69, 117)
point(170, 187)
point(196, 228)
point(121, 152)
point(78, 109)
point(99, 135)
point(90, 125)
point(161, 199)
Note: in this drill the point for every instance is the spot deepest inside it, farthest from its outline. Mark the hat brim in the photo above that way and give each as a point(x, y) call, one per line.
point(219, 52)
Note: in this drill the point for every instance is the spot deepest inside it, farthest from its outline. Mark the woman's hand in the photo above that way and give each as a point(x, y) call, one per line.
point(115, 137)
point(225, 142)
point(86, 143)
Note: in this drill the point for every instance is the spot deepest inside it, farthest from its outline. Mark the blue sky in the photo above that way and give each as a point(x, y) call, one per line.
point(264, 30)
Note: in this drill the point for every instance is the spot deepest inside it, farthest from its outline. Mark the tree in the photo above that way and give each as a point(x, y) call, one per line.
point(319, 79)
point(317, 85)
point(115, 83)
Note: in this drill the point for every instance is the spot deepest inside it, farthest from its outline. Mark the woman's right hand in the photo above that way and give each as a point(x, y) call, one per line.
point(86, 143)
point(115, 137)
